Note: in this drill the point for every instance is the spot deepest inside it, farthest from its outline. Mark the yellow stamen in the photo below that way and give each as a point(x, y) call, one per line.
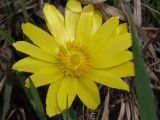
point(74, 60)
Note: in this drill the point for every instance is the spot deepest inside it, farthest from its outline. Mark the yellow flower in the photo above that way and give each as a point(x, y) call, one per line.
point(79, 53)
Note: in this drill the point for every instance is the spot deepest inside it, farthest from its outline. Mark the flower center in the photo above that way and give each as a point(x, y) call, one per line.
point(74, 60)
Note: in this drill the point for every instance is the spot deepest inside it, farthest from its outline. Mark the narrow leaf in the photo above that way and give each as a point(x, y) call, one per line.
point(33, 97)
point(7, 97)
point(144, 92)
point(6, 36)
point(24, 9)
point(36, 101)
point(69, 114)
point(151, 10)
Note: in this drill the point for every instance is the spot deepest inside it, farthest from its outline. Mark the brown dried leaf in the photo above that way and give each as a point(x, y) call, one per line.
point(122, 111)
point(108, 11)
point(92, 1)
point(137, 12)
point(105, 115)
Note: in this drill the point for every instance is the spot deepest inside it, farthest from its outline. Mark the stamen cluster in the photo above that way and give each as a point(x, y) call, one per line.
point(74, 60)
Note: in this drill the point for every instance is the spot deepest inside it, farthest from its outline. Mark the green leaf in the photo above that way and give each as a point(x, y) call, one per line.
point(36, 101)
point(151, 10)
point(69, 114)
point(25, 14)
point(7, 37)
point(7, 97)
point(143, 90)
point(33, 97)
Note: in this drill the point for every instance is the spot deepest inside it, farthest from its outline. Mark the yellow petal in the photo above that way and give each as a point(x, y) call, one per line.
point(55, 22)
point(107, 79)
point(30, 64)
point(88, 92)
point(122, 28)
point(84, 26)
point(40, 37)
point(74, 6)
point(44, 77)
point(72, 13)
point(121, 42)
point(112, 59)
point(52, 107)
point(104, 33)
point(34, 51)
point(117, 43)
point(123, 70)
point(67, 92)
point(97, 22)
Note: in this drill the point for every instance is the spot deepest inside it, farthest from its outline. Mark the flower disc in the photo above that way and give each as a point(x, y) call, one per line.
point(74, 60)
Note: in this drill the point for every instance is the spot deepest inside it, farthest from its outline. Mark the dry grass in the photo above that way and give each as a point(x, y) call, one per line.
point(116, 104)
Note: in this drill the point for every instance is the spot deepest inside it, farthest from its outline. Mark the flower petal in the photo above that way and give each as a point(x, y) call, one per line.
point(121, 42)
point(72, 13)
point(107, 79)
point(117, 43)
point(112, 59)
point(103, 34)
point(97, 22)
point(122, 28)
point(45, 76)
point(123, 70)
point(88, 92)
point(84, 26)
point(52, 107)
point(55, 22)
point(40, 37)
point(67, 92)
point(30, 64)
point(34, 51)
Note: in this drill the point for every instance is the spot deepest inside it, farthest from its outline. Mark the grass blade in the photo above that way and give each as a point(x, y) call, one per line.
point(7, 97)
point(24, 9)
point(69, 114)
point(36, 101)
point(7, 37)
point(144, 92)
point(151, 10)
point(33, 97)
